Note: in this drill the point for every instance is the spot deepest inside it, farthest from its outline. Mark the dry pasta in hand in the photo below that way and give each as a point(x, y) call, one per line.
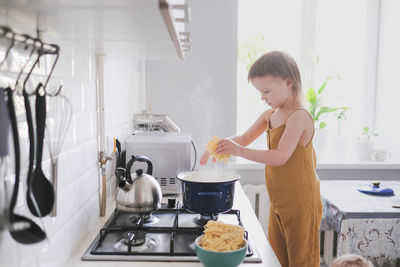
point(212, 145)
point(219, 236)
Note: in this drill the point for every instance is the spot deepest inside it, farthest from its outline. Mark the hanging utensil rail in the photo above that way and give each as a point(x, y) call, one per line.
point(6, 32)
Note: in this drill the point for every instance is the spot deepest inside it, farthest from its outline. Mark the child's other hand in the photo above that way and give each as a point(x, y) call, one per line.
point(227, 146)
point(204, 158)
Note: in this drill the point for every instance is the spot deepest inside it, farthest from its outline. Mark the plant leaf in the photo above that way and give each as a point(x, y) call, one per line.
point(311, 97)
point(323, 110)
point(322, 125)
point(322, 88)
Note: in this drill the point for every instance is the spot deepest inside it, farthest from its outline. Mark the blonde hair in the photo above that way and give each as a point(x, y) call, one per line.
point(351, 260)
point(278, 64)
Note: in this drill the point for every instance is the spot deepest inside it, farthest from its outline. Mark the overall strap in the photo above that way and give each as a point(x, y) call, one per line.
point(307, 113)
point(268, 116)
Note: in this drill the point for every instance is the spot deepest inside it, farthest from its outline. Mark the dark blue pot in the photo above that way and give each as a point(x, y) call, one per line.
point(207, 192)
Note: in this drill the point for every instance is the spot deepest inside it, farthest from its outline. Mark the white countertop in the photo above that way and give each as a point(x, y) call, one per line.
point(321, 165)
point(247, 216)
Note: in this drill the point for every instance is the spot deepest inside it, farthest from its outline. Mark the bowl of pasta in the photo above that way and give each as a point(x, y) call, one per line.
point(221, 245)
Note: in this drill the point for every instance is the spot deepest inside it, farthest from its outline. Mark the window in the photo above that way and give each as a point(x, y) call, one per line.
point(340, 43)
point(258, 33)
point(340, 35)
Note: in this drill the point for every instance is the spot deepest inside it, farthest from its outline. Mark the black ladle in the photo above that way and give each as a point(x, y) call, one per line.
point(29, 196)
point(42, 190)
point(32, 233)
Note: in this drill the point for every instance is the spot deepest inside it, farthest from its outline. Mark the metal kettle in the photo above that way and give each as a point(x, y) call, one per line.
point(140, 193)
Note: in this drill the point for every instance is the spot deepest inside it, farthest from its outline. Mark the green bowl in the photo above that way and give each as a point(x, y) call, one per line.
point(218, 259)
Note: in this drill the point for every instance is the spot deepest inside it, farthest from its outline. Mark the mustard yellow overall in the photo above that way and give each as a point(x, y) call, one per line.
point(295, 209)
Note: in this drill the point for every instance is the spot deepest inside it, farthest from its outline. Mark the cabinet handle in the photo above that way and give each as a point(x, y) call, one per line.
point(164, 8)
point(186, 36)
point(185, 8)
point(186, 47)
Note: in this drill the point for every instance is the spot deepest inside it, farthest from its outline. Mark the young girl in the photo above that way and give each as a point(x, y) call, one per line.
point(295, 206)
point(351, 260)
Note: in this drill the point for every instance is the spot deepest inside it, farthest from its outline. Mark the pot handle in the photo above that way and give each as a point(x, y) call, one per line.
point(210, 194)
point(141, 159)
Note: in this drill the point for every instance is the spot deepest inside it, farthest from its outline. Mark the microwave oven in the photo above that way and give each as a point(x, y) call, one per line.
point(169, 152)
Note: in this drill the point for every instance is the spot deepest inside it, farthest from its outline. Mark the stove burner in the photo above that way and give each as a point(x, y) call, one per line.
point(147, 217)
point(126, 237)
point(134, 238)
point(203, 219)
point(135, 241)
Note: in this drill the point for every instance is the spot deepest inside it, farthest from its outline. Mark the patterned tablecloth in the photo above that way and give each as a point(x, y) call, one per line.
point(366, 225)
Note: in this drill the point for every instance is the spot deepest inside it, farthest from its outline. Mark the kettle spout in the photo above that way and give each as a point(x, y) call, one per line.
point(120, 173)
point(122, 182)
point(124, 185)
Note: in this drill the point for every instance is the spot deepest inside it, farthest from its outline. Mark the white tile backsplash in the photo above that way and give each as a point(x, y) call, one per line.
point(8, 250)
point(78, 173)
point(89, 158)
point(70, 165)
point(64, 67)
point(73, 89)
point(88, 96)
point(84, 126)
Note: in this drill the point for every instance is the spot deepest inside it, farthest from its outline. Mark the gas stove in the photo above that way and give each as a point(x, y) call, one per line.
point(167, 234)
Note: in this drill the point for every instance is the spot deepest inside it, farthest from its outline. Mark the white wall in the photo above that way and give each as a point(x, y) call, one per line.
point(199, 93)
point(78, 198)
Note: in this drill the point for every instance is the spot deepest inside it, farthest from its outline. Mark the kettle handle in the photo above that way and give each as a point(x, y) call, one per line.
point(141, 159)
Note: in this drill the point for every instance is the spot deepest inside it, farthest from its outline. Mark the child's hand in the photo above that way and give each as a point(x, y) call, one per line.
point(204, 158)
point(227, 146)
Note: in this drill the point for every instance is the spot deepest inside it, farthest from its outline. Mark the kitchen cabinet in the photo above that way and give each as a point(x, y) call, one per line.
point(140, 29)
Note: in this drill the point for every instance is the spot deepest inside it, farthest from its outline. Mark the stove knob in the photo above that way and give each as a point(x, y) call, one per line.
point(171, 202)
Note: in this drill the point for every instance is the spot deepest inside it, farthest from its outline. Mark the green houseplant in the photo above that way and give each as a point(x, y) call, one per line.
point(250, 50)
point(366, 134)
point(364, 143)
point(341, 116)
point(317, 109)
